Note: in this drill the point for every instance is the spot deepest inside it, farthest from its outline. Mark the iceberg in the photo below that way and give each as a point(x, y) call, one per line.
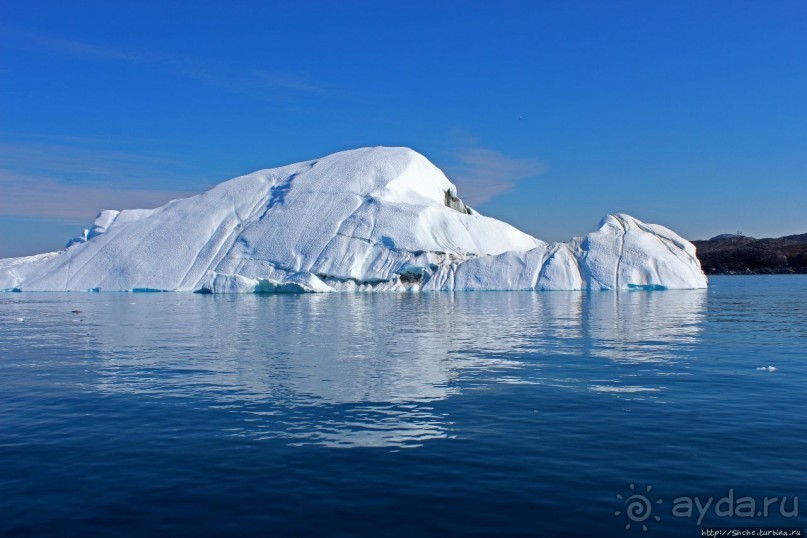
point(370, 219)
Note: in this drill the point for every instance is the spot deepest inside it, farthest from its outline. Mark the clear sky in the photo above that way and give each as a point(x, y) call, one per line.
point(549, 115)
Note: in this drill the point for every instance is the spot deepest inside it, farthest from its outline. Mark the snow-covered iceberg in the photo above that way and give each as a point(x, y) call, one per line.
point(366, 219)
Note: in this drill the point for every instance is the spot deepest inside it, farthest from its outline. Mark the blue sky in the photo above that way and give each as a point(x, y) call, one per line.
point(549, 115)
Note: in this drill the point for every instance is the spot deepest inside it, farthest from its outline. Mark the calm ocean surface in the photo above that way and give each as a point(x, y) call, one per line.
point(486, 413)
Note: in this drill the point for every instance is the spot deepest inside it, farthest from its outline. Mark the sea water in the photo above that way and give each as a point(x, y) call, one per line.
point(400, 414)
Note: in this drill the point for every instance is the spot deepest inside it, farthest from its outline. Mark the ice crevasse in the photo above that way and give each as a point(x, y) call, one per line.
point(376, 219)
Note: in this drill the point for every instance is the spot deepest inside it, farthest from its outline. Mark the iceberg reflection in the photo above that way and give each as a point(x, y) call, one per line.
point(354, 370)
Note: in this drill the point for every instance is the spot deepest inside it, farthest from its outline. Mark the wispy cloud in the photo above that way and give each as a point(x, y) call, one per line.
point(482, 173)
point(81, 162)
point(73, 178)
point(42, 197)
point(237, 78)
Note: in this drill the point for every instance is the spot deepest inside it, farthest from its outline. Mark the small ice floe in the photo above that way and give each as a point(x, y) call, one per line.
point(513, 380)
point(20, 320)
point(767, 368)
point(622, 388)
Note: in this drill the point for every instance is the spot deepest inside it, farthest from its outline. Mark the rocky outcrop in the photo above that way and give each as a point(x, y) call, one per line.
point(730, 254)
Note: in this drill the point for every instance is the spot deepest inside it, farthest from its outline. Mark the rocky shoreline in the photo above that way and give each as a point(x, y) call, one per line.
point(730, 254)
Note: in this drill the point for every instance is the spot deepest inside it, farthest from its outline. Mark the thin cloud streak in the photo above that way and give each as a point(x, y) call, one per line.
point(84, 164)
point(247, 80)
point(482, 173)
point(41, 197)
point(70, 180)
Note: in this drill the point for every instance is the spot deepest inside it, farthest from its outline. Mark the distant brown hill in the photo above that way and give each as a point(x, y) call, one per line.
point(737, 254)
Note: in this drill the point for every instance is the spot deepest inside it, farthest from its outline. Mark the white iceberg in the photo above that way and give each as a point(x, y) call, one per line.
point(366, 219)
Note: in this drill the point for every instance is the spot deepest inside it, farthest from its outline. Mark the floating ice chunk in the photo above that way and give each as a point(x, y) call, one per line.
point(371, 219)
point(146, 290)
point(622, 389)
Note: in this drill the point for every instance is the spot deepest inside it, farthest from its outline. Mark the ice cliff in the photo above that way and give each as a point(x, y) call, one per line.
point(365, 219)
